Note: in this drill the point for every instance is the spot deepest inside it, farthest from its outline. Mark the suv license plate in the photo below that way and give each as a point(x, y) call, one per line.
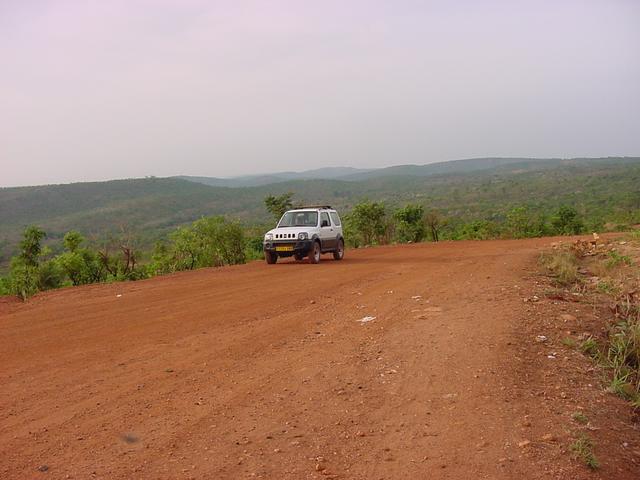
point(284, 248)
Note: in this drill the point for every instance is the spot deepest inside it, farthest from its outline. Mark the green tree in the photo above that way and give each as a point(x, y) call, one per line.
point(278, 205)
point(187, 250)
point(50, 275)
point(72, 241)
point(160, 259)
point(31, 245)
point(24, 272)
point(208, 242)
point(5, 286)
point(519, 223)
point(81, 265)
point(477, 230)
point(566, 221)
point(222, 241)
point(23, 278)
point(368, 219)
point(350, 231)
point(410, 223)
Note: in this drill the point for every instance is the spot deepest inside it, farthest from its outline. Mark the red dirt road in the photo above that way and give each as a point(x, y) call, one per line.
point(263, 371)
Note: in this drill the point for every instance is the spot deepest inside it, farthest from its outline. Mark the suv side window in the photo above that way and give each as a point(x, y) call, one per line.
point(324, 216)
point(335, 218)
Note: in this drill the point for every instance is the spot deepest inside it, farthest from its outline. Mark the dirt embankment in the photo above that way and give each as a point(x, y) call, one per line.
point(264, 371)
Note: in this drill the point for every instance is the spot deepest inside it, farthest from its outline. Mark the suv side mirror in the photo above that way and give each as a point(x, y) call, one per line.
point(324, 223)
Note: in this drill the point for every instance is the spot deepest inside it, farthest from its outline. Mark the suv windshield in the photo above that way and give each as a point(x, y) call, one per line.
point(299, 219)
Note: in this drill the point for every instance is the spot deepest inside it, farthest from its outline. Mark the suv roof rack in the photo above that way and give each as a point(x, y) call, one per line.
point(329, 207)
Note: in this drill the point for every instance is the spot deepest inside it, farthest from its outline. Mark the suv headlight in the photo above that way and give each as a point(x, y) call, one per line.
point(268, 236)
point(303, 236)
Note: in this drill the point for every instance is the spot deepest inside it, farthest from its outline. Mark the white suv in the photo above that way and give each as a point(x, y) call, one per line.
point(307, 231)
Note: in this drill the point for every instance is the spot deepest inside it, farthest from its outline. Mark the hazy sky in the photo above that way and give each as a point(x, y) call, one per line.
point(93, 90)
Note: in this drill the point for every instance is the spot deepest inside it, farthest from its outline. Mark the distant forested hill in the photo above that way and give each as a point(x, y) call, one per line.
point(601, 189)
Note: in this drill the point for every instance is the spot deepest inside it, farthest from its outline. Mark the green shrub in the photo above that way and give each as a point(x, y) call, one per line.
point(254, 248)
point(607, 286)
point(582, 449)
point(616, 259)
point(410, 223)
point(367, 223)
point(477, 230)
point(24, 278)
point(566, 221)
point(208, 242)
point(590, 347)
point(50, 275)
point(520, 223)
point(25, 275)
point(5, 288)
point(580, 418)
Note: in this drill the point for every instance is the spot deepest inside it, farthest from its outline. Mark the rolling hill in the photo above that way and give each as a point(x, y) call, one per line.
point(464, 190)
point(258, 180)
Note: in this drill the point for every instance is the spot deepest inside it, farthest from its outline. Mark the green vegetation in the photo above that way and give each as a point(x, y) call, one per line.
point(590, 347)
point(606, 286)
point(617, 352)
point(582, 449)
point(208, 242)
point(411, 223)
point(130, 229)
point(30, 270)
point(521, 223)
point(81, 265)
point(567, 221)
point(472, 198)
point(278, 205)
point(622, 357)
point(216, 241)
point(367, 224)
point(580, 418)
point(616, 259)
point(212, 241)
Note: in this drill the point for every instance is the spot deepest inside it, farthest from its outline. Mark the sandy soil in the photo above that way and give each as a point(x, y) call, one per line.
point(261, 371)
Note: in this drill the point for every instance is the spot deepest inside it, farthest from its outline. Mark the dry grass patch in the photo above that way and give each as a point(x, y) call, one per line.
point(563, 265)
point(607, 274)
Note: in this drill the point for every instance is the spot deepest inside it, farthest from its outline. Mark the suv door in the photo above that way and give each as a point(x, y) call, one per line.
point(337, 223)
point(327, 232)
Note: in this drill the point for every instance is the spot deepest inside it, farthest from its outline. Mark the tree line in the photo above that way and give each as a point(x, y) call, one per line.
point(207, 242)
point(371, 223)
point(374, 223)
point(217, 241)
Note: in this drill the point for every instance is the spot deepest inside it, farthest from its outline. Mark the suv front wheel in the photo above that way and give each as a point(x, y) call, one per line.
point(271, 258)
point(314, 256)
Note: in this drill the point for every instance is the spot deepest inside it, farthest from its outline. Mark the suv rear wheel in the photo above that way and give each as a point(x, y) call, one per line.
point(314, 256)
point(338, 254)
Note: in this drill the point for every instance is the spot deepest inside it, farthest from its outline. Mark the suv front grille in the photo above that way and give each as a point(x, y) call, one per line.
point(285, 235)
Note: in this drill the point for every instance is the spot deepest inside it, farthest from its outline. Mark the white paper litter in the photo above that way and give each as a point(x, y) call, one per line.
point(366, 319)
